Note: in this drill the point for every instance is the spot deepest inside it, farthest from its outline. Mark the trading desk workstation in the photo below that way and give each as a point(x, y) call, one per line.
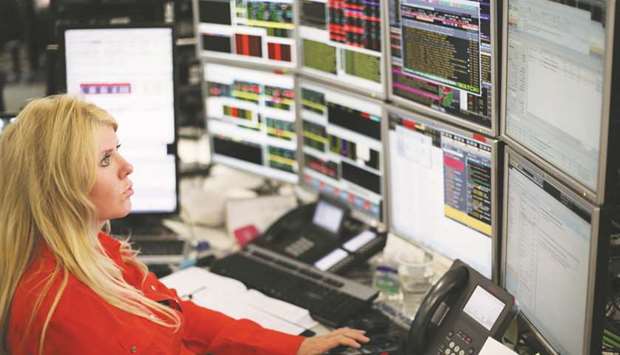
point(460, 155)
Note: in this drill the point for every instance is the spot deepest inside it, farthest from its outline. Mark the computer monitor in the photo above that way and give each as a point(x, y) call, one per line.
point(342, 41)
point(554, 257)
point(129, 72)
point(251, 120)
point(342, 151)
point(558, 74)
point(443, 60)
point(249, 31)
point(443, 189)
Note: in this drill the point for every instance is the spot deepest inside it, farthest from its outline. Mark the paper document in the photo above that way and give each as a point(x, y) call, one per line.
point(231, 297)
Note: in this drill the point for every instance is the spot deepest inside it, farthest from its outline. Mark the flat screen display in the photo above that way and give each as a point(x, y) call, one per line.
point(555, 60)
point(129, 72)
point(547, 265)
point(342, 149)
point(251, 120)
point(442, 188)
point(342, 40)
point(443, 58)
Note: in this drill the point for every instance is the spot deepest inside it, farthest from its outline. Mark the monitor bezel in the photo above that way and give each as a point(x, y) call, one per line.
point(401, 102)
point(245, 166)
point(380, 223)
point(237, 59)
point(597, 256)
point(6, 116)
point(495, 177)
point(175, 76)
point(339, 82)
point(598, 195)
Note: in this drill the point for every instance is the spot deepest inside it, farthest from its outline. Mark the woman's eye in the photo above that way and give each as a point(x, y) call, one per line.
point(106, 161)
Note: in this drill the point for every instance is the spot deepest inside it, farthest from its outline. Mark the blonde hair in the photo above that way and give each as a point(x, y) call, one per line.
point(47, 169)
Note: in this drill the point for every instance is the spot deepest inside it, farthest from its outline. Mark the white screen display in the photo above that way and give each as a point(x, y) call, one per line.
point(129, 73)
point(328, 216)
point(441, 188)
point(484, 308)
point(555, 65)
point(547, 257)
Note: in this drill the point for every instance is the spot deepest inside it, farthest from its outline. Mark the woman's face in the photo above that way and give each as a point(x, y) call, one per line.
point(112, 192)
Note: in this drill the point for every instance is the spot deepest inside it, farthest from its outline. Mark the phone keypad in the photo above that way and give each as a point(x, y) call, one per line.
point(457, 343)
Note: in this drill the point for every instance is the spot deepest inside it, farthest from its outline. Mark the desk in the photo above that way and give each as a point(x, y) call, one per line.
point(222, 243)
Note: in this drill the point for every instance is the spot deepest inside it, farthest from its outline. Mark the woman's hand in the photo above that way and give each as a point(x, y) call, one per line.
point(322, 343)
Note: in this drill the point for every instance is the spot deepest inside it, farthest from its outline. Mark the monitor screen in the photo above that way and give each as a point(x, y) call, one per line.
point(443, 188)
point(129, 72)
point(260, 32)
point(251, 120)
point(548, 238)
point(555, 72)
point(443, 59)
point(342, 149)
point(341, 40)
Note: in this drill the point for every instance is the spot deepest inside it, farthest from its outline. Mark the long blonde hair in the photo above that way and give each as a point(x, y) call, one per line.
point(47, 169)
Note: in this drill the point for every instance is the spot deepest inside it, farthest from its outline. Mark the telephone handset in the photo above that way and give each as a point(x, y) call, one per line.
point(427, 317)
point(459, 313)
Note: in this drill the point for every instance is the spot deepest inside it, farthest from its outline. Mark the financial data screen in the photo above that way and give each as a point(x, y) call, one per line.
point(251, 120)
point(342, 150)
point(129, 73)
point(442, 188)
point(547, 240)
point(442, 54)
point(342, 40)
point(555, 75)
point(249, 30)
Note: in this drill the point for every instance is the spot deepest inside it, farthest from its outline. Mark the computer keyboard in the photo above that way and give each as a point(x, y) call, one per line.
point(331, 299)
point(159, 246)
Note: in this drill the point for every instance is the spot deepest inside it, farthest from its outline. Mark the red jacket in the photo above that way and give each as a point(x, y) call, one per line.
point(83, 323)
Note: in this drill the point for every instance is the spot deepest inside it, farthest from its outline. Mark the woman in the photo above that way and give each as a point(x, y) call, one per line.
point(68, 288)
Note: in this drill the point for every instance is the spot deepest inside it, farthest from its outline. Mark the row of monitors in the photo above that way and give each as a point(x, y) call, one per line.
point(433, 184)
point(442, 58)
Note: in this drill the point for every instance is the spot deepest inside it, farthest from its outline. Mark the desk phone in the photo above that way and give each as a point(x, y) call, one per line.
point(456, 317)
point(323, 234)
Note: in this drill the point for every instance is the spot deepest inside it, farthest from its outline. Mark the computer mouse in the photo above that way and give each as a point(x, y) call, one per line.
point(372, 322)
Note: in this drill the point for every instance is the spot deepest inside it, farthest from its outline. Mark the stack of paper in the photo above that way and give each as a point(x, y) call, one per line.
point(232, 298)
